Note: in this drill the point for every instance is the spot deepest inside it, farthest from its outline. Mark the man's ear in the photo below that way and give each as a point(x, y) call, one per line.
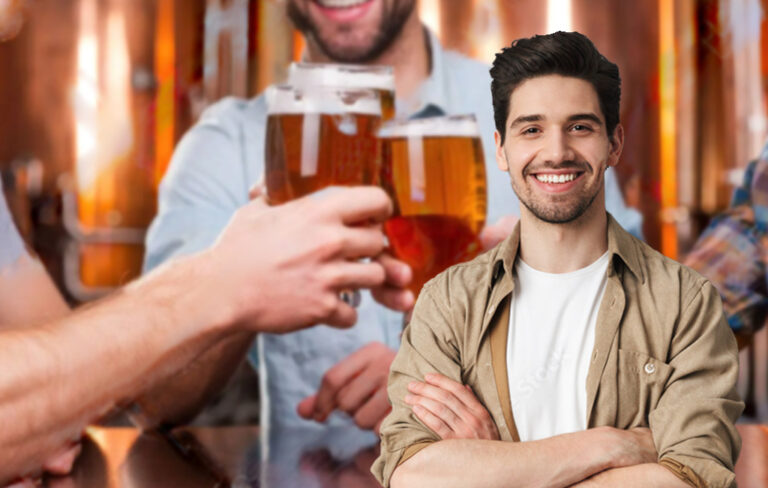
point(501, 158)
point(617, 144)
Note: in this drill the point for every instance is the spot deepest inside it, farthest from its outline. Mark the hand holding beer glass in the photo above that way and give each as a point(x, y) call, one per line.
point(318, 138)
point(434, 170)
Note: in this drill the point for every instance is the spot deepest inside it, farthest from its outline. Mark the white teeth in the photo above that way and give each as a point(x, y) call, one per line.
point(544, 178)
point(340, 3)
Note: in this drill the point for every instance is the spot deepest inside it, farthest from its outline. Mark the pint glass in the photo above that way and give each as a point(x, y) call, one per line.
point(320, 137)
point(378, 78)
point(434, 170)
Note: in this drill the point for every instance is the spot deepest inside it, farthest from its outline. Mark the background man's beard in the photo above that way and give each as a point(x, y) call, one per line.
point(391, 25)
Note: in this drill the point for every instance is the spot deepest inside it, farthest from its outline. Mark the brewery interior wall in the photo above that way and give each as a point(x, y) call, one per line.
point(94, 94)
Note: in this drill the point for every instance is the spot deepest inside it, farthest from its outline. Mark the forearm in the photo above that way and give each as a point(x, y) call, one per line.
point(468, 463)
point(179, 398)
point(640, 476)
point(27, 295)
point(59, 377)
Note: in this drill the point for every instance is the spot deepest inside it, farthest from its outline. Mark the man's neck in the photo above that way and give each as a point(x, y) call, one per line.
point(562, 248)
point(408, 54)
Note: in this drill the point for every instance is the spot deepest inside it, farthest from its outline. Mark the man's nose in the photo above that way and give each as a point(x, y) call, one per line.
point(557, 148)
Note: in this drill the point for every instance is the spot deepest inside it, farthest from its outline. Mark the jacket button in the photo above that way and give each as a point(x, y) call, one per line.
point(649, 368)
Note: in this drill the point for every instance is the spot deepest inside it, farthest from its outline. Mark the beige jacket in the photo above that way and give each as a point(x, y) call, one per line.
point(663, 357)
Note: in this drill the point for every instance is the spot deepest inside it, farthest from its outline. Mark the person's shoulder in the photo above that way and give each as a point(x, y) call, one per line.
point(464, 65)
point(662, 271)
point(230, 114)
point(462, 281)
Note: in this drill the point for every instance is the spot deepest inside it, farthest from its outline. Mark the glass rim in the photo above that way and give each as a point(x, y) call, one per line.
point(352, 68)
point(462, 125)
point(381, 77)
point(286, 98)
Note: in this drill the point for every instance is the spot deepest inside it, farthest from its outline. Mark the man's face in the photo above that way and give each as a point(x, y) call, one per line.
point(11, 18)
point(351, 31)
point(556, 147)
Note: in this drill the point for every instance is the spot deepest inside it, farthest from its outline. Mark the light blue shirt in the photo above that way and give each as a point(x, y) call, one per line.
point(11, 244)
point(220, 158)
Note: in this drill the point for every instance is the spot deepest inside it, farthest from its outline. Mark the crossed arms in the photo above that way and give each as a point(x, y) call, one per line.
point(691, 434)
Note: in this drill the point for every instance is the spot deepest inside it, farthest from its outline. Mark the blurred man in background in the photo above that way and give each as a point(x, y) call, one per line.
point(321, 371)
point(62, 371)
point(731, 252)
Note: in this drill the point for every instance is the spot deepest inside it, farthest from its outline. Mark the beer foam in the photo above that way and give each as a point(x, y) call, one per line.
point(286, 99)
point(452, 125)
point(341, 75)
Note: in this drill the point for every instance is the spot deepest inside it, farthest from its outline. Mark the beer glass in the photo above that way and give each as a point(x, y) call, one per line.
point(318, 138)
point(434, 170)
point(378, 78)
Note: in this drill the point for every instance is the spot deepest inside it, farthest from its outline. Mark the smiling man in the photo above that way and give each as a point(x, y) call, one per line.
point(598, 361)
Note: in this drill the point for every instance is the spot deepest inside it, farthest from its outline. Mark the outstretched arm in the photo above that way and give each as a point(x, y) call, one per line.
point(60, 376)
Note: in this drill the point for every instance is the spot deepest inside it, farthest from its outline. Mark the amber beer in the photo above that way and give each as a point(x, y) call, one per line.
point(378, 78)
point(320, 137)
point(434, 170)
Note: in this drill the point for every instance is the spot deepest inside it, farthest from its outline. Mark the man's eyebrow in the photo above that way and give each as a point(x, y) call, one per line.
point(586, 116)
point(525, 119)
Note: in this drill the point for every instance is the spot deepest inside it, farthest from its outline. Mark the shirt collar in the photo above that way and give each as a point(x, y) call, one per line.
point(621, 244)
point(430, 98)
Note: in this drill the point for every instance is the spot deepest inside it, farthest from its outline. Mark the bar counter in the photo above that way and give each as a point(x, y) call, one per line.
point(239, 457)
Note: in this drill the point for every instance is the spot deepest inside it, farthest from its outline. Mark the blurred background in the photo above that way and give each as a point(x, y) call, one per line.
point(94, 95)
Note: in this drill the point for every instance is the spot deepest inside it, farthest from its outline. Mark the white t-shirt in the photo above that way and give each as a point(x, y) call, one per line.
point(551, 336)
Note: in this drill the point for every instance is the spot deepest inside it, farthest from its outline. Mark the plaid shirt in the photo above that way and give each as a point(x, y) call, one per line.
point(732, 251)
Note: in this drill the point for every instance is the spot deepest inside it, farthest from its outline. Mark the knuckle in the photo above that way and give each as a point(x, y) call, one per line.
point(363, 421)
point(331, 381)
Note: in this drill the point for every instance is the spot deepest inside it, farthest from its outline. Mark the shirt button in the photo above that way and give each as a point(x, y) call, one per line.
point(650, 368)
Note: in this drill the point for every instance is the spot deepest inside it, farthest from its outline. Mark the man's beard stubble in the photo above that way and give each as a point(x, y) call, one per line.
point(558, 213)
point(389, 29)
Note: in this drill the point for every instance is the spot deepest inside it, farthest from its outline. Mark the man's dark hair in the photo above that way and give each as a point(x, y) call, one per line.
point(561, 53)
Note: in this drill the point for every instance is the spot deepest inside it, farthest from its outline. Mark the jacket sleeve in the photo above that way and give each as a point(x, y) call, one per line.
point(693, 425)
point(428, 346)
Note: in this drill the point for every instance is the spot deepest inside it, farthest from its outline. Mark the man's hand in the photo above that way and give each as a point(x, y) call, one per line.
point(450, 409)
point(279, 269)
point(392, 294)
point(357, 385)
point(493, 234)
point(58, 464)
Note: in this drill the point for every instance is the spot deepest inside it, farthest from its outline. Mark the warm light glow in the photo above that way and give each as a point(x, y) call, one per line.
point(429, 12)
point(165, 100)
point(86, 96)
point(558, 16)
point(668, 127)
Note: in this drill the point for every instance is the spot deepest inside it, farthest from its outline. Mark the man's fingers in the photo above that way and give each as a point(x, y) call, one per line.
point(62, 462)
point(335, 379)
point(359, 389)
point(443, 397)
point(465, 395)
point(374, 410)
point(342, 316)
point(25, 483)
point(399, 274)
point(393, 298)
point(257, 190)
point(437, 408)
point(306, 407)
point(362, 242)
point(360, 204)
point(433, 422)
point(345, 275)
